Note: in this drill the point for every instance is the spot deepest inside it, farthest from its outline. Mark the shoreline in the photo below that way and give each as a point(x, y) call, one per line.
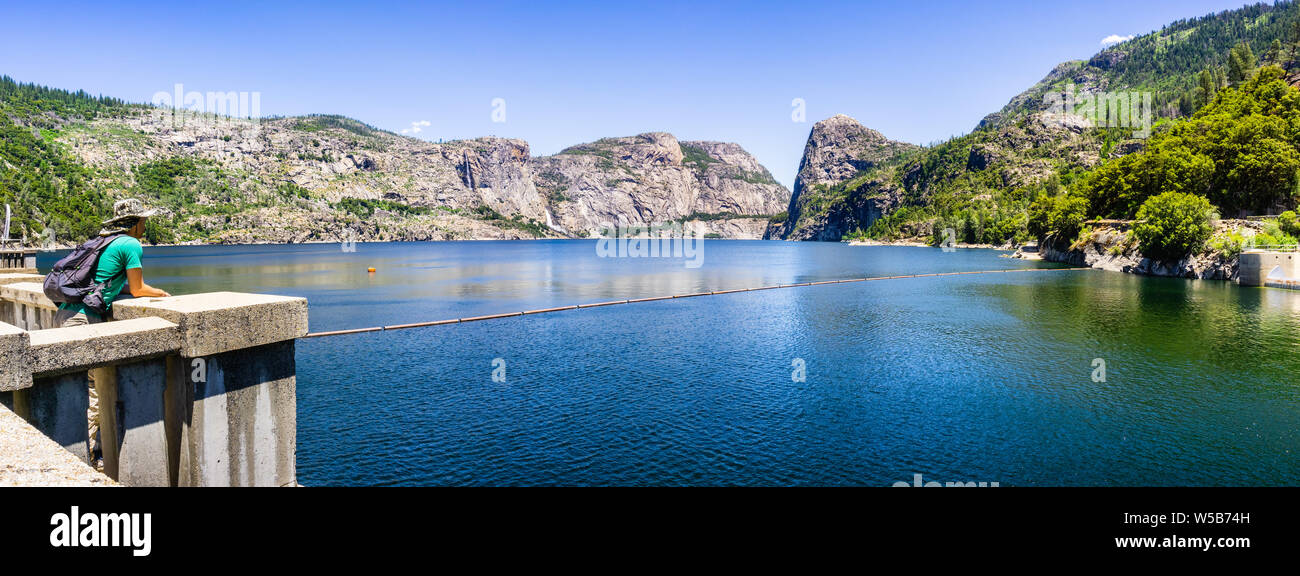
point(318, 242)
point(917, 244)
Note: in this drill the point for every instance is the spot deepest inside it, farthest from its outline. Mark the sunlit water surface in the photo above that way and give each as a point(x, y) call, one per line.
point(972, 378)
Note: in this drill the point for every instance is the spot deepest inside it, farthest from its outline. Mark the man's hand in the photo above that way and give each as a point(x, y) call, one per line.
point(135, 281)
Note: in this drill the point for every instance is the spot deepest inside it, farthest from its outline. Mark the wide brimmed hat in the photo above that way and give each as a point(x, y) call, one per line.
point(124, 210)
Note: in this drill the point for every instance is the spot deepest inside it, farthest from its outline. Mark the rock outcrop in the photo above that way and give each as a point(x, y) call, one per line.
point(1112, 248)
point(326, 178)
point(654, 178)
point(838, 160)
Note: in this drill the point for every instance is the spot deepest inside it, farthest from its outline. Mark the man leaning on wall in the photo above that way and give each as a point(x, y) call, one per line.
point(118, 267)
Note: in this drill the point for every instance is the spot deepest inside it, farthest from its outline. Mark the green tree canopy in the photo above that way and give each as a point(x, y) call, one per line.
point(1173, 225)
point(1242, 152)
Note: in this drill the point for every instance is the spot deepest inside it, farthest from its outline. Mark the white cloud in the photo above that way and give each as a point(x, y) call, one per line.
point(416, 127)
point(1115, 39)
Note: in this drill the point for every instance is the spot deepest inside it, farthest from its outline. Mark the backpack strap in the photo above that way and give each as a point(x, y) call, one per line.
point(97, 289)
point(111, 240)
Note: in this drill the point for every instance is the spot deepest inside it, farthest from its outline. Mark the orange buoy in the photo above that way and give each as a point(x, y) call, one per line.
point(370, 270)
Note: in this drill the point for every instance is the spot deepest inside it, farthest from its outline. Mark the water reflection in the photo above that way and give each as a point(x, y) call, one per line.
point(984, 377)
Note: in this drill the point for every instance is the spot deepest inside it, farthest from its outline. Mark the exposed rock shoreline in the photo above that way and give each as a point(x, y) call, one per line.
point(1111, 248)
point(920, 244)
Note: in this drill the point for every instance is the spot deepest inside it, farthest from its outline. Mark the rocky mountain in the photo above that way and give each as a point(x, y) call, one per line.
point(328, 178)
point(649, 178)
point(840, 186)
point(981, 184)
point(907, 192)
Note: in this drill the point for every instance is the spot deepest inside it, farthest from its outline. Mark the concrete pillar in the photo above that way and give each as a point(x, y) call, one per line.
point(236, 391)
point(131, 422)
point(1250, 269)
point(242, 426)
point(127, 361)
point(195, 390)
point(57, 407)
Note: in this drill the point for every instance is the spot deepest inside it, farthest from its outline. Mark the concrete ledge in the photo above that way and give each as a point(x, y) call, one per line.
point(22, 275)
point(62, 350)
point(29, 293)
point(30, 458)
point(220, 322)
point(15, 362)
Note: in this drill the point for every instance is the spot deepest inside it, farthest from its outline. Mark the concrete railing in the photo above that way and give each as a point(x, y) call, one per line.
point(18, 261)
point(196, 390)
point(23, 302)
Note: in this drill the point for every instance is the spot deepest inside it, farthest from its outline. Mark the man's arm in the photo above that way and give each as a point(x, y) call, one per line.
point(135, 280)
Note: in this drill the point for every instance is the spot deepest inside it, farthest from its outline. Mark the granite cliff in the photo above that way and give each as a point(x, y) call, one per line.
point(331, 178)
point(842, 181)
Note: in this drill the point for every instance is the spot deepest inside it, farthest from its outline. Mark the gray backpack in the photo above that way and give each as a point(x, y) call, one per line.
point(73, 277)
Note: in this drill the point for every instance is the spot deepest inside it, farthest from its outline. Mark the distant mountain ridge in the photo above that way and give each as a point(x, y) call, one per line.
point(327, 178)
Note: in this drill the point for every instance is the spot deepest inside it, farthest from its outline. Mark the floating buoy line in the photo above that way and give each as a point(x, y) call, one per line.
point(655, 298)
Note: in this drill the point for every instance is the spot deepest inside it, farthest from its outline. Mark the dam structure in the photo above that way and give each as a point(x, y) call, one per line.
point(17, 261)
point(1273, 267)
point(194, 390)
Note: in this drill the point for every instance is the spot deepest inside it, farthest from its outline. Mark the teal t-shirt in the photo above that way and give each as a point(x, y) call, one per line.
point(121, 255)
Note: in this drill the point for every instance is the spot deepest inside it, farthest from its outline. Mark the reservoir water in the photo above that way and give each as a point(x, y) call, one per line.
point(984, 378)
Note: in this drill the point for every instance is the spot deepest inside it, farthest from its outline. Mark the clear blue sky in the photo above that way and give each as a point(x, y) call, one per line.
point(572, 72)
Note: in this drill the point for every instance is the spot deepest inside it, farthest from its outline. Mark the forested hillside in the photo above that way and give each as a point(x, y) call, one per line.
point(987, 184)
point(38, 176)
point(1239, 154)
point(1169, 62)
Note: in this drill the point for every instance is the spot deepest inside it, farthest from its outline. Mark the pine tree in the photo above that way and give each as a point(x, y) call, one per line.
point(1241, 63)
point(1208, 87)
point(1295, 39)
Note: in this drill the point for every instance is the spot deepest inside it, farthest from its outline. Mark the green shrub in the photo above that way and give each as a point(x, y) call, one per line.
point(1228, 244)
point(696, 157)
point(362, 208)
point(169, 181)
point(1273, 236)
point(1289, 223)
point(1084, 237)
point(1063, 215)
point(1173, 225)
point(1068, 215)
point(159, 230)
point(1038, 214)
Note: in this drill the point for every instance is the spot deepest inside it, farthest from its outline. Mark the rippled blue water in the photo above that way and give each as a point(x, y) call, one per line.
point(972, 378)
